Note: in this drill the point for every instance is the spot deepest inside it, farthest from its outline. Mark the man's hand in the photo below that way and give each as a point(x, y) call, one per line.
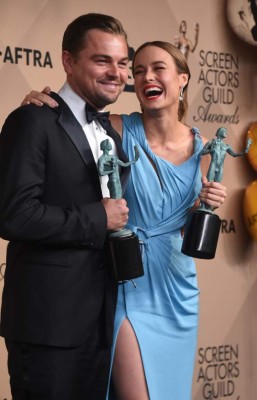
point(40, 98)
point(117, 213)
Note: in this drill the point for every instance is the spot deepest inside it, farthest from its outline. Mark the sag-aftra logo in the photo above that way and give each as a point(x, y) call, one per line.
point(25, 56)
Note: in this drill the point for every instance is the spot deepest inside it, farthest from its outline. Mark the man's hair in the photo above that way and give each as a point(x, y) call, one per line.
point(75, 34)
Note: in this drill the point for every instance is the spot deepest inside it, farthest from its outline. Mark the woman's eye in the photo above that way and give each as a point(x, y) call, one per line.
point(137, 72)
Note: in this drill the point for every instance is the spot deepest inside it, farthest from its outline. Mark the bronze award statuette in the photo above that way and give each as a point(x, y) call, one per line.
point(203, 225)
point(124, 244)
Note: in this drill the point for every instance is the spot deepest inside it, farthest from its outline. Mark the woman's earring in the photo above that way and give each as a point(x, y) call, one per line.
point(181, 97)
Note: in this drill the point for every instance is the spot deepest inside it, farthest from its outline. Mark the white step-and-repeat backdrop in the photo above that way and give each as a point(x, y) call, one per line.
point(222, 55)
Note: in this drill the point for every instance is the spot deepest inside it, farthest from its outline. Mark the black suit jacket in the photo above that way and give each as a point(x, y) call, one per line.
point(57, 286)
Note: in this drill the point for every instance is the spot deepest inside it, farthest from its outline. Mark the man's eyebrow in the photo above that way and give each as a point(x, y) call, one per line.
point(108, 57)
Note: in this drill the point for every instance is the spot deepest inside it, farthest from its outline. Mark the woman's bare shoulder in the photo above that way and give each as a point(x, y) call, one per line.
point(204, 139)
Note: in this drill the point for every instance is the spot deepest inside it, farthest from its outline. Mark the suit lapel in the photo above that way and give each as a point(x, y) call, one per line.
point(75, 132)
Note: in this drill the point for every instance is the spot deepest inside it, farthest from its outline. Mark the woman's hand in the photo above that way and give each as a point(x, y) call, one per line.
point(213, 193)
point(40, 98)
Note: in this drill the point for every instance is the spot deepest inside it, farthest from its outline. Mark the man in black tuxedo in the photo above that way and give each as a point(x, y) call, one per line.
point(59, 298)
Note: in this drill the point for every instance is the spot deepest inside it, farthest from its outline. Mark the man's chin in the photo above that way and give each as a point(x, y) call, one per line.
point(110, 99)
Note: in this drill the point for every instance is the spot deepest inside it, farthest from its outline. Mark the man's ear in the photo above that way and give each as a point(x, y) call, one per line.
point(67, 61)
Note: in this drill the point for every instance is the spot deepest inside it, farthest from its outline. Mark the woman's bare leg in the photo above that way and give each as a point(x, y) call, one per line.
point(128, 372)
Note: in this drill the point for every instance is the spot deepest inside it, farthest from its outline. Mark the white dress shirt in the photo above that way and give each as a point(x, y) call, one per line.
point(94, 132)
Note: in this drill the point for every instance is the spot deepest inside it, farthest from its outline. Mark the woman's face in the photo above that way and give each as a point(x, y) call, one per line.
point(157, 83)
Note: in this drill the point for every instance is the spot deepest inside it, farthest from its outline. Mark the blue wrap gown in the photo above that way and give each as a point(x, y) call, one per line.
point(162, 305)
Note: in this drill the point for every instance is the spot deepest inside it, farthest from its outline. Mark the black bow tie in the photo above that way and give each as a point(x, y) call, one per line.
point(102, 117)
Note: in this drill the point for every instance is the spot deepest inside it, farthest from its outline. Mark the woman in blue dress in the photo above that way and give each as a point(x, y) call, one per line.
point(156, 323)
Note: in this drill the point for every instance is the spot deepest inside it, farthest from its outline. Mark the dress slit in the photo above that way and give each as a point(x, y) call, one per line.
point(110, 392)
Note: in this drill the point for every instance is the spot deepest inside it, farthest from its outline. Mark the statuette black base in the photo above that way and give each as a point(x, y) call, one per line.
point(126, 256)
point(201, 235)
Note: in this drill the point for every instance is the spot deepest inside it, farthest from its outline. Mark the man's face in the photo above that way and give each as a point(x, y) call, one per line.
point(99, 72)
